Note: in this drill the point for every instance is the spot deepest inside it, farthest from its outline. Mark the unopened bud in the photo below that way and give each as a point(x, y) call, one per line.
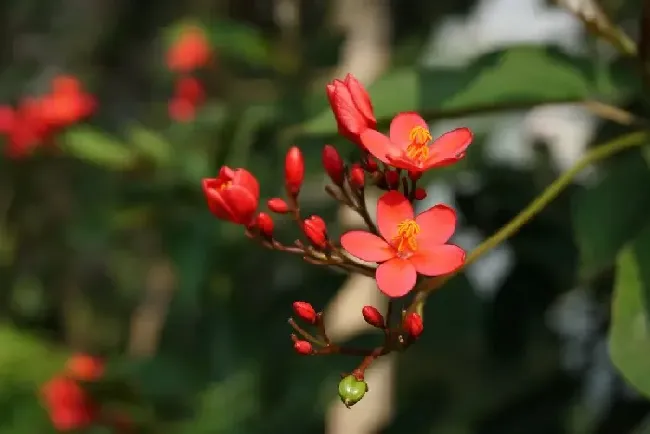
point(370, 164)
point(315, 229)
point(352, 390)
point(294, 170)
point(264, 223)
point(278, 205)
point(357, 176)
point(420, 193)
point(392, 179)
point(372, 316)
point(413, 325)
point(414, 176)
point(303, 347)
point(305, 311)
point(333, 164)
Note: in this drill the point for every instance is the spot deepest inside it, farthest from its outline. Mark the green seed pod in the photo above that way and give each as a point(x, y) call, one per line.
point(352, 390)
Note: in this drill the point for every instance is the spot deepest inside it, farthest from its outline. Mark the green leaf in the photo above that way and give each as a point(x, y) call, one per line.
point(610, 213)
point(151, 145)
point(515, 77)
point(239, 41)
point(98, 148)
point(629, 335)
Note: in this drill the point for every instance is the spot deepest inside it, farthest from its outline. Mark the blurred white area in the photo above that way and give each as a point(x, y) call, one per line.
point(492, 25)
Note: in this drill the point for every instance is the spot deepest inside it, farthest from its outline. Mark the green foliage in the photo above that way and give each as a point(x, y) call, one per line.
point(511, 78)
point(611, 212)
point(98, 148)
point(629, 335)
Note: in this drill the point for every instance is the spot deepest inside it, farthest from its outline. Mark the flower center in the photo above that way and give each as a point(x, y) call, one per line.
point(225, 185)
point(405, 240)
point(418, 149)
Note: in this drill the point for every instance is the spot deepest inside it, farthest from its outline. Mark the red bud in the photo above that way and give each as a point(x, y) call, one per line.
point(420, 193)
point(315, 229)
point(278, 205)
point(413, 325)
point(415, 175)
point(392, 178)
point(333, 164)
point(373, 317)
point(357, 176)
point(305, 311)
point(303, 347)
point(294, 170)
point(370, 164)
point(264, 223)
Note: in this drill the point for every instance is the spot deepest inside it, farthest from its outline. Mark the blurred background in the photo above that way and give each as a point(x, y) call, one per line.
point(107, 246)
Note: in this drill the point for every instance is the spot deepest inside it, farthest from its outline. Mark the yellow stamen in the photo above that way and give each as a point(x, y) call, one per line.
point(406, 236)
point(225, 185)
point(418, 149)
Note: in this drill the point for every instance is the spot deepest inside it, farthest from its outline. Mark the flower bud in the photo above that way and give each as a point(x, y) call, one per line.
point(85, 367)
point(420, 193)
point(357, 177)
point(413, 325)
point(372, 316)
point(370, 164)
point(415, 175)
point(352, 390)
point(305, 311)
point(333, 164)
point(303, 347)
point(294, 170)
point(278, 205)
point(264, 224)
point(315, 229)
point(392, 179)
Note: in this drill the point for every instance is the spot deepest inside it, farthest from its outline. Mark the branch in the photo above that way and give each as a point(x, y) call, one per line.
point(598, 153)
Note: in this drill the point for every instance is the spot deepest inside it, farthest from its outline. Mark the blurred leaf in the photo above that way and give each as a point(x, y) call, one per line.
point(608, 214)
point(239, 41)
point(98, 148)
point(515, 77)
point(151, 144)
point(629, 335)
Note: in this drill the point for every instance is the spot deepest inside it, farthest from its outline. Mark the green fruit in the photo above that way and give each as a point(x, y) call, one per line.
point(352, 390)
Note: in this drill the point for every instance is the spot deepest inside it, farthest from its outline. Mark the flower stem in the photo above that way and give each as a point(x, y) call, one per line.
point(598, 153)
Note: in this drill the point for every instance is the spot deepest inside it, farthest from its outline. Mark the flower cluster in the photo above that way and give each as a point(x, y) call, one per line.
point(36, 121)
point(68, 402)
point(397, 246)
point(190, 52)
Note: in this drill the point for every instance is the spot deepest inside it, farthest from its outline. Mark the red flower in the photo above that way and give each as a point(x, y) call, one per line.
point(352, 107)
point(233, 195)
point(305, 311)
point(409, 146)
point(413, 325)
point(333, 164)
point(181, 110)
point(294, 170)
point(315, 229)
point(69, 406)
point(190, 51)
point(408, 245)
point(85, 367)
point(303, 348)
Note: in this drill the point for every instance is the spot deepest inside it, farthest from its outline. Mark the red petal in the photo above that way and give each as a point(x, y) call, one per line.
point(367, 246)
point(437, 225)
point(401, 127)
point(361, 99)
point(396, 277)
point(246, 179)
point(241, 202)
point(451, 144)
point(438, 260)
point(392, 209)
point(378, 145)
point(403, 162)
